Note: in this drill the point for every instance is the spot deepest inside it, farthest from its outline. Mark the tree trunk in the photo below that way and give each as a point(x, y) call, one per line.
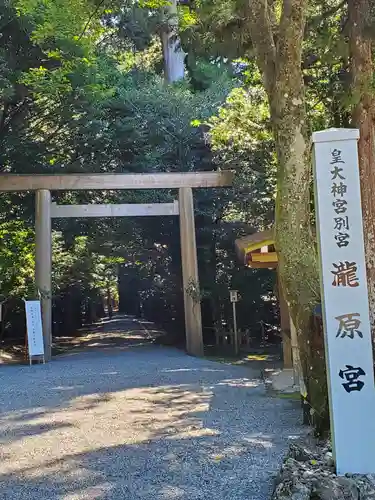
point(298, 267)
point(360, 18)
point(173, 54)
point(280, 64)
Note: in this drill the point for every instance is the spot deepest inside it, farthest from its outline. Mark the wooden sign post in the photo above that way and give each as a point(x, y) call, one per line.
point(350, 368)
point(233, 294)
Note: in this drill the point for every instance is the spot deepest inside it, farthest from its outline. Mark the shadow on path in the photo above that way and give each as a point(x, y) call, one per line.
point(150, 424)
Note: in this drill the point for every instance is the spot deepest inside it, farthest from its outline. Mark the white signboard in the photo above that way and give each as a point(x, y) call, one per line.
point(233, 295)
point(350, 368)
point(34, 328)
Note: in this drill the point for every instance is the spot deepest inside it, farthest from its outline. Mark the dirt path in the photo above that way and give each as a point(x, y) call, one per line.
point(119, 332)
point(150, 423)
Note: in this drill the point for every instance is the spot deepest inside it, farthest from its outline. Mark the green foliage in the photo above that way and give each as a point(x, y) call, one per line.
point(61, 20)
point(243, 120)
point(82, 91)
point(80, 267)
point(16, 260)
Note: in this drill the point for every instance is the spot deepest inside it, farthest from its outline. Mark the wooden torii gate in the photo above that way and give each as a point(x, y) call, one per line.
point(45, 210)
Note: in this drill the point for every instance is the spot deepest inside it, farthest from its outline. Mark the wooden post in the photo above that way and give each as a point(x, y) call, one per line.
point(43, 263)
point(235, 331)
point(190, 279)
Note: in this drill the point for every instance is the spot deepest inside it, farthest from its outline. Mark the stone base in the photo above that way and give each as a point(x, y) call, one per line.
point(309, 473)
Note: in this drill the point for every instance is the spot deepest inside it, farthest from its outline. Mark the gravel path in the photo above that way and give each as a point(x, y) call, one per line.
point(144, 423)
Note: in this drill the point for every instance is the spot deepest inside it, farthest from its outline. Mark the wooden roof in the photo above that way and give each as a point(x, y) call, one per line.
point(248, 248)
point(253, 243)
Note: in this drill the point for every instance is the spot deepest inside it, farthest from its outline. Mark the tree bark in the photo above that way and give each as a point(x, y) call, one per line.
point(280, 63)
point(173, 54)
point(363, 116)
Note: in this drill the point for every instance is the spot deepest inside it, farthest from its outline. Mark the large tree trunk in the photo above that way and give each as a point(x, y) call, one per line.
point(173, 54)
point(281, 68)
point(360, 18)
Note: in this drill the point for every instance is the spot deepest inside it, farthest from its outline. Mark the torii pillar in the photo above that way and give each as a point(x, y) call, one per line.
point(43, 263)
point(192, 305)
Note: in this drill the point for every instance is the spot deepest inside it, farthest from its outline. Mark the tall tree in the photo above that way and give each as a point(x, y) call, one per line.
point(278, 45)
point(173, 53)
point(361, 17)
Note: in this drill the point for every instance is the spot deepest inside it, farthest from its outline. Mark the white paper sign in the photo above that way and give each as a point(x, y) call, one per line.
point(34, 328)
point(345, 307)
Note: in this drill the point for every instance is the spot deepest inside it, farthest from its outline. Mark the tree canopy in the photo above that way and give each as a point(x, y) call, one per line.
point(83, 91)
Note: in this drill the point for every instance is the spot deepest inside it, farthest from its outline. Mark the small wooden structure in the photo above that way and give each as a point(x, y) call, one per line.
point(45, 210)
point(258, 251)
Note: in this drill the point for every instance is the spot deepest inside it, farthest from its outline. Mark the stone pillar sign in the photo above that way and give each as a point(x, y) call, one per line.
point(349, 359)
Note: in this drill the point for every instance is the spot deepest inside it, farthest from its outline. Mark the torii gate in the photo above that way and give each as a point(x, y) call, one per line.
point(43, 184)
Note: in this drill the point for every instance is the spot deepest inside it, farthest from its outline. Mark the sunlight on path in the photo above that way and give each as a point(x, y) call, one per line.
point(150, 423)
